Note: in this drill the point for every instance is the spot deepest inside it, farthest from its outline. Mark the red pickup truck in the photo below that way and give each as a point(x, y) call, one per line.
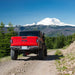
point(28, 42)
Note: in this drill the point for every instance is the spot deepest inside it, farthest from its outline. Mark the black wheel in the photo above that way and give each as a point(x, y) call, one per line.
point(41, 54)
point(14, 54)
point(45, 52)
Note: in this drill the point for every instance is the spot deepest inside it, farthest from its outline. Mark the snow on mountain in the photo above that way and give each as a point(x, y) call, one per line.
point(53, 21)
point(9, 26)
point(50, 21)
point(6, 25)
point(29, 24)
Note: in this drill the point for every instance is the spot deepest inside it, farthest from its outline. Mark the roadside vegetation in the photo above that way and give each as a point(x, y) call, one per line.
point(60, 41)
point(5, 39)
point(7, 58)
point(66, 64)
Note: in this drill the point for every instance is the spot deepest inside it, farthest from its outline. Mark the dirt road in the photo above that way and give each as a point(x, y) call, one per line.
point(30, 66)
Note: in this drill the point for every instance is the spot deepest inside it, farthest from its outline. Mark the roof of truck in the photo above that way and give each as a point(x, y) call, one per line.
point(31, 31)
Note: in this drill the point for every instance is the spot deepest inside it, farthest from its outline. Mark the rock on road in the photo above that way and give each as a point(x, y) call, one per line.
point(30, 65)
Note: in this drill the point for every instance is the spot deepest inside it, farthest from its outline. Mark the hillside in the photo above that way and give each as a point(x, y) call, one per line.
point(66, 64)
point(50, 26)
point(48, 30)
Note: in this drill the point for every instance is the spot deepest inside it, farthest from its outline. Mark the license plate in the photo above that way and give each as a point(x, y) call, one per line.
point(24, 47)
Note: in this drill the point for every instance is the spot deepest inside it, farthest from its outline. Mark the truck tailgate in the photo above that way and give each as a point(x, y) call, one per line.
point(24, 41)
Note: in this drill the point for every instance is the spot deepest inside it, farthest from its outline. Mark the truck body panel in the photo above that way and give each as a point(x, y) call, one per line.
point(24, 41)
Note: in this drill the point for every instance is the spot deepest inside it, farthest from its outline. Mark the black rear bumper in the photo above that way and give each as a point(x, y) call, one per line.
point(26, 49)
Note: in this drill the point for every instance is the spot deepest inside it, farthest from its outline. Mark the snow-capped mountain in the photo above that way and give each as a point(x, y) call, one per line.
point(50, 26)
point(30, 24)
point(50, 21)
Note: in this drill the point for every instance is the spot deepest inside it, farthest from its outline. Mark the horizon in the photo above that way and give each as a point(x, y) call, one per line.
point(21, 12)
point(47, 22)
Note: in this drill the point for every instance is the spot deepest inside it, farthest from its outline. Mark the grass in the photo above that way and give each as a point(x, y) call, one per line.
point(3, 59)
point(52, 49)
point(7, 58)
point(62, 68)
point(66, 63)
point(65, 47)
point(58, 52)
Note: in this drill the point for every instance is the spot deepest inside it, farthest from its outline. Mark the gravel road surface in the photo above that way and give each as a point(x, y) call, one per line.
point(30, 65)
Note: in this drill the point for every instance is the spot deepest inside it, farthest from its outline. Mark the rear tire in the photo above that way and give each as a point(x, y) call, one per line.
point(41, 54)
point(14, 54)
point(45, 52)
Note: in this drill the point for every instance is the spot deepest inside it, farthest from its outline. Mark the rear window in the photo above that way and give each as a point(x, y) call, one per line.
point(30, 33)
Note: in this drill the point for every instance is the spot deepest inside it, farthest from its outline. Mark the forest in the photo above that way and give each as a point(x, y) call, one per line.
point(51, 42)
point(5, 39)
point(59, 42)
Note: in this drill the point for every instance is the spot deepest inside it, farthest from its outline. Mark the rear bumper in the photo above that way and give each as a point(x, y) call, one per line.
point(24, 47)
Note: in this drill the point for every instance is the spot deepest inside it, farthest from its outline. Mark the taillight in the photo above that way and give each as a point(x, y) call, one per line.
point(11, 41)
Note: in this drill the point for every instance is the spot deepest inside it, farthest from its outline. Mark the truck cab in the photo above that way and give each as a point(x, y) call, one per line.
point(28, 42)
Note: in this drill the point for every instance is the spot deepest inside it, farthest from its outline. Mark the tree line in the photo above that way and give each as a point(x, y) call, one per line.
point(59, 42)
point(5, 39)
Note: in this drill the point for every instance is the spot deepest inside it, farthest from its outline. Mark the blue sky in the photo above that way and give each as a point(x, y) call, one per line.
point(21, 12)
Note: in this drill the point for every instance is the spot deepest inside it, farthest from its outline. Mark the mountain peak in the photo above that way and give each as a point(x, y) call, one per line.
point(50, 21)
